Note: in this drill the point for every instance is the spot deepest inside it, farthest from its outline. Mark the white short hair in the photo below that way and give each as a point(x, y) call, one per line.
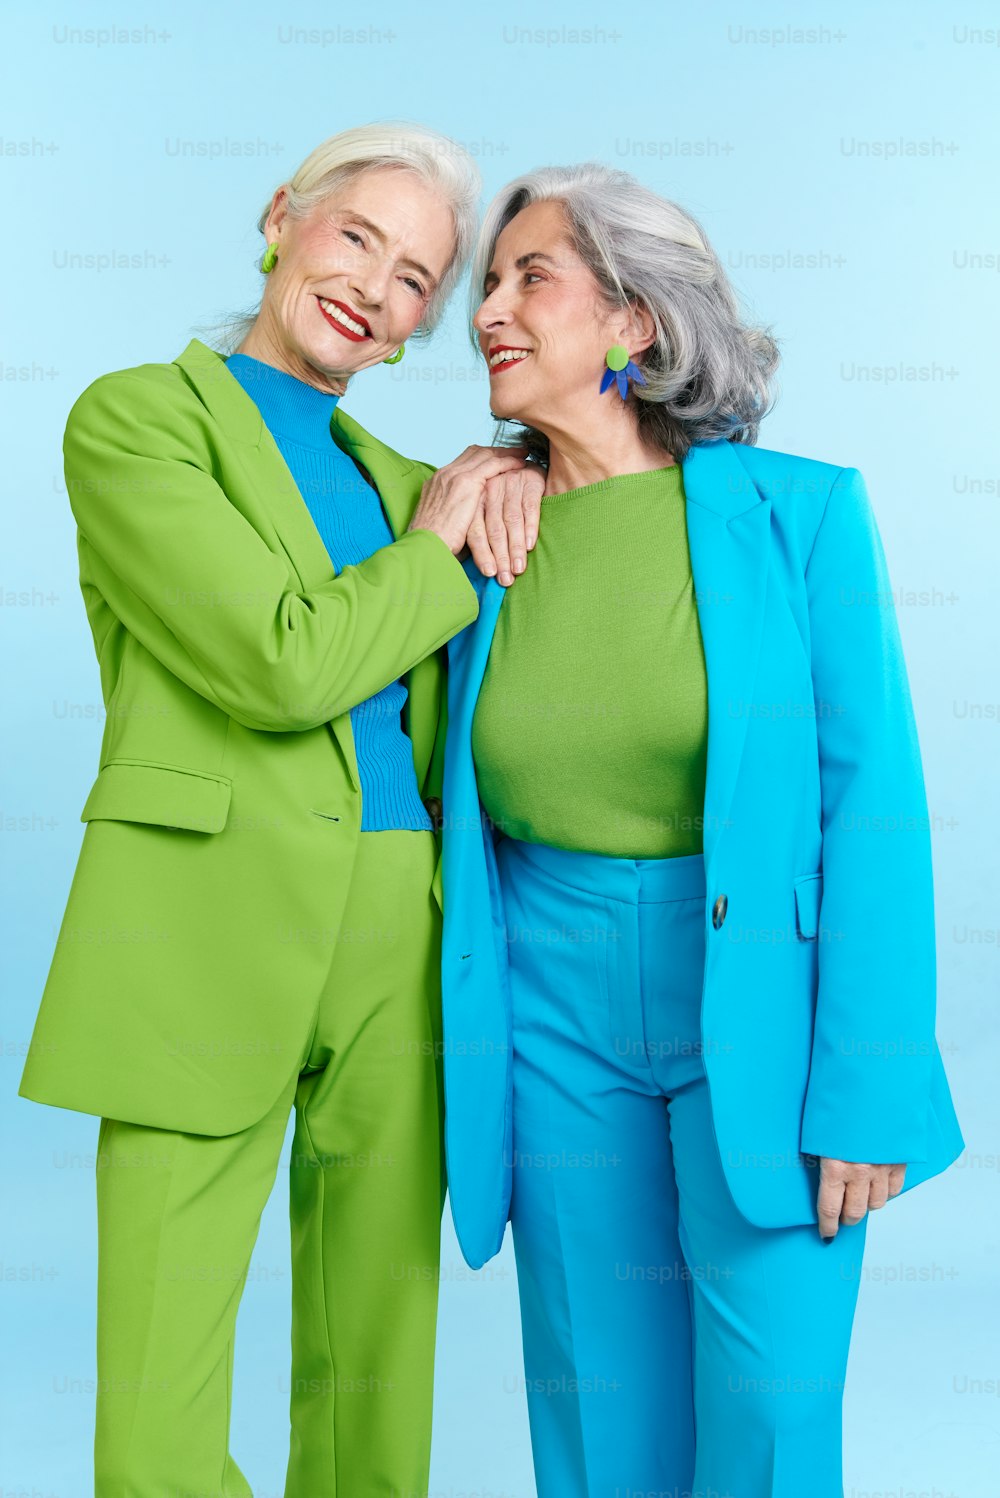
point(392, 145)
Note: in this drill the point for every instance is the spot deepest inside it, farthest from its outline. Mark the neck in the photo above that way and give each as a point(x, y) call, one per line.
point(263, 343)
point(584, 454)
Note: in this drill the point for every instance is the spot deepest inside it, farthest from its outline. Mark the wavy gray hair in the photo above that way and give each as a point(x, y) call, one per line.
point(707, 372)
point(397, 145)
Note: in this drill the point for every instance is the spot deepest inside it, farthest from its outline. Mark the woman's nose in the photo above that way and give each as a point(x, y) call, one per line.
point(490, 314)
point(369, 285)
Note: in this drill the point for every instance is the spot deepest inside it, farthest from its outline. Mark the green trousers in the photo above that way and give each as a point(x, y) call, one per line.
point(178, 1216)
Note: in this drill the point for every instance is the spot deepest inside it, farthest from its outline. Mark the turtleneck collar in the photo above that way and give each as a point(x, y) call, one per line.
point(290, 408)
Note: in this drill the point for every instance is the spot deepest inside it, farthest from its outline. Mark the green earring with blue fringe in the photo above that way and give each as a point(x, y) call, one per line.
point(620, 370)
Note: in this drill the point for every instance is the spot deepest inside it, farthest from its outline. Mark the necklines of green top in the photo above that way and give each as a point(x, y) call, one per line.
point(644, 474)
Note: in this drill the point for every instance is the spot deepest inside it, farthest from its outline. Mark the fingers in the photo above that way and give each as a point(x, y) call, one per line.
point(878, 1188)
point(501, 529)
point(532, 485)
point(829, 1200)
point(451, 497)
point(511, 505)
point(856, 1193)
point(496, 516)
point(480, 548)
point(506, 525)
point(886, 1182)
point(849, 1189)
point(514, 500)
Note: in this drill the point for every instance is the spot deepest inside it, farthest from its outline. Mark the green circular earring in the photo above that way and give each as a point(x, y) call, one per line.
point(270, 259)
point(396, 356)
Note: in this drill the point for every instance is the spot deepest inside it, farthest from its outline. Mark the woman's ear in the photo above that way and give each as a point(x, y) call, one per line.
point(274, 220)
point(639, 330)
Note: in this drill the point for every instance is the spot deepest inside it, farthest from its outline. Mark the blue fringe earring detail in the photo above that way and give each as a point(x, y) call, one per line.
point(621, 369)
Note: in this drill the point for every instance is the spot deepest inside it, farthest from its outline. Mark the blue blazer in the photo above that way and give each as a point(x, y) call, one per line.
point(818, 1004)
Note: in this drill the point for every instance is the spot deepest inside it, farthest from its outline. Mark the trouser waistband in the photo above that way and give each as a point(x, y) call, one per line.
point(639, 880)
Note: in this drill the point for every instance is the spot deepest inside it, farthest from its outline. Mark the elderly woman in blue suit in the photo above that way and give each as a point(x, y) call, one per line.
point(688, 973)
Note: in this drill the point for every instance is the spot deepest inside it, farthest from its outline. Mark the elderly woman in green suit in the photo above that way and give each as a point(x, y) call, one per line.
point(254, 920)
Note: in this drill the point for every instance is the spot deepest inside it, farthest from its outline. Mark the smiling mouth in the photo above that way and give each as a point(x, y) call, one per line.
point(345, 322)
point(504, 357)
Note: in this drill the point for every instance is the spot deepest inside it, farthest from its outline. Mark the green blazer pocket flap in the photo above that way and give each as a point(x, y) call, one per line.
point(135, 790)
point(808, 895)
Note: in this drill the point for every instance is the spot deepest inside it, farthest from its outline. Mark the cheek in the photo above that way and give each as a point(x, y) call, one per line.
point(297, 279)
point(573, 354)
point(564, 329)
point(405, 311)
point(321, 257)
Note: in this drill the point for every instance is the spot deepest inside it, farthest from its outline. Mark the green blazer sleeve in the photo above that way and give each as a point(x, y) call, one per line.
point(190, 576)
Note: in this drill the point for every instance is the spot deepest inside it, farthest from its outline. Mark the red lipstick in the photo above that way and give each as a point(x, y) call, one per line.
point(350, 312)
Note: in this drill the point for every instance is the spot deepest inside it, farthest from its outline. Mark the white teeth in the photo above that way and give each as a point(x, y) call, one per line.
point(342, 317)
point(508, 356)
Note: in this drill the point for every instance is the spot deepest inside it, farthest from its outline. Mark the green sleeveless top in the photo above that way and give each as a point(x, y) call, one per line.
point(591, 728)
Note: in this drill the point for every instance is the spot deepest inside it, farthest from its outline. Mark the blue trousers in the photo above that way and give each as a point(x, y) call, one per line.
point(670, 1347)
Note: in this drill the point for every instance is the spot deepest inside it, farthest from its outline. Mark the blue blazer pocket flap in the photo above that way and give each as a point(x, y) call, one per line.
point(808, 895)
point(134, 790)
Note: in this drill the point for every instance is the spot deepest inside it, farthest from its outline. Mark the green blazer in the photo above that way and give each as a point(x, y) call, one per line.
point(223, 822)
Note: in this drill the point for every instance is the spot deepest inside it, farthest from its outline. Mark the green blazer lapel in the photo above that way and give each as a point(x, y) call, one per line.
point(397, 479)
point(394, 477)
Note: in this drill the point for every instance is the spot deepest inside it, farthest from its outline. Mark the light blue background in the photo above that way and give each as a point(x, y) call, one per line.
point(759, 138)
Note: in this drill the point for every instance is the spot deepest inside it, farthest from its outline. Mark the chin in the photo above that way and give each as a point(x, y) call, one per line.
point(506, 410)
point(326, 350)
point(332, 357)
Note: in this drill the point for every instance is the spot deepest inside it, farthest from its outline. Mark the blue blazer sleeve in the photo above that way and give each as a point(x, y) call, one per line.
point(873, 1039)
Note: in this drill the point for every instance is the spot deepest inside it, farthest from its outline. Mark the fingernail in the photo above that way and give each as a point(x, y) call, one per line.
point(518, 564)
point(506, 577)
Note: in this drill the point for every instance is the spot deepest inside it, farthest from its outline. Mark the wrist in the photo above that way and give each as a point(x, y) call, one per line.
point(435, 532)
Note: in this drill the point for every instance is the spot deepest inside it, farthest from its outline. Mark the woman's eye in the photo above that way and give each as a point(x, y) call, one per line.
point(415, 284)
point(532, 275)
point(350, 234)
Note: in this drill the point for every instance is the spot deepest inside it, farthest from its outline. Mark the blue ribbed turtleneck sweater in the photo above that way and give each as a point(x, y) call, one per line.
point(348, 514)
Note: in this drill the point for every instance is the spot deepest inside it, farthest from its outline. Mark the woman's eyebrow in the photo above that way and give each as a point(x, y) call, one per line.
point(521, 262)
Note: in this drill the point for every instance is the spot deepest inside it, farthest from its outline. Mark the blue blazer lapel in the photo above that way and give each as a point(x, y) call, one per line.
point(469, 651)
point(465, 826)
point(729, 537)
point(474, 992)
